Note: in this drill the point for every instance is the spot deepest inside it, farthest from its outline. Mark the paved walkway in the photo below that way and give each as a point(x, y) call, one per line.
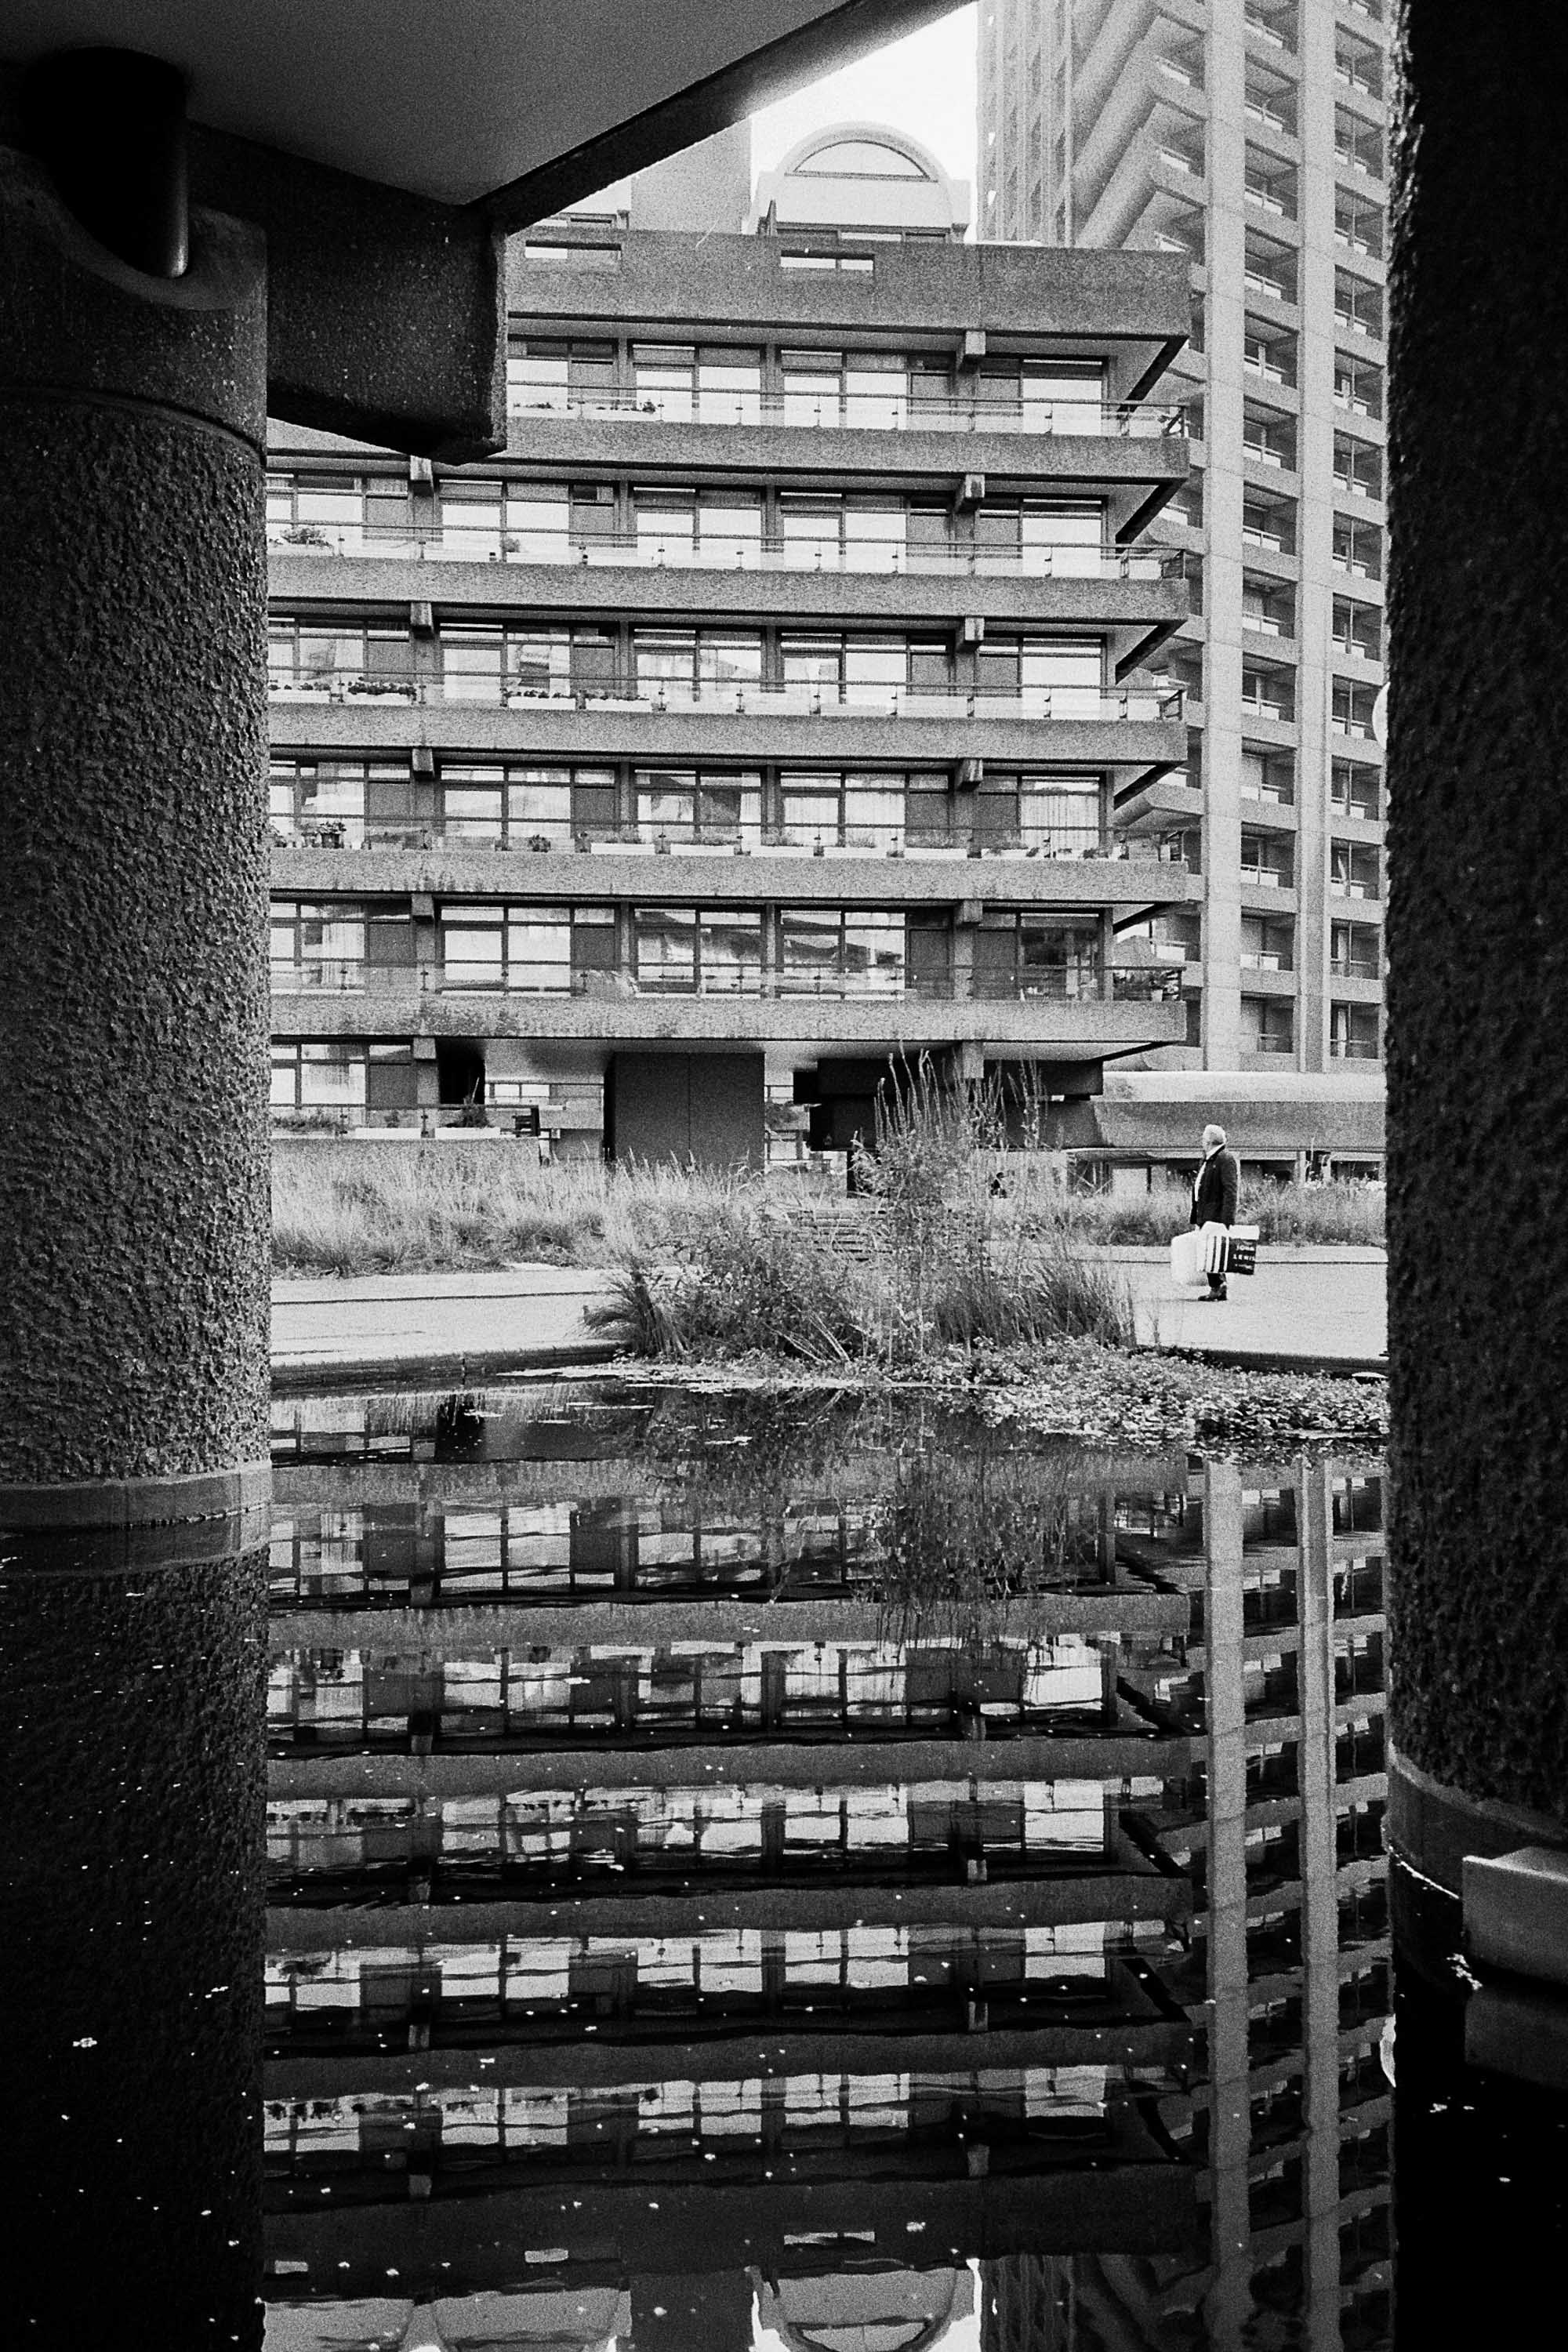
point(434, 1326)
point(1324, 1309)
point(1308, 1309)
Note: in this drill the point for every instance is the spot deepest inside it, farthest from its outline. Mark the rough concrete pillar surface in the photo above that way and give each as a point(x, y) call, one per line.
point(1478, 932)
point(132, 886)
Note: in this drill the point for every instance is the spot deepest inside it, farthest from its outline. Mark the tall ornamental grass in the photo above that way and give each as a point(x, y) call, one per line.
point(942, 1260)
point(955, 1219)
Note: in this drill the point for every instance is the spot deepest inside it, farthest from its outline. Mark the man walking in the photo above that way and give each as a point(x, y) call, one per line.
point(1215, 1190)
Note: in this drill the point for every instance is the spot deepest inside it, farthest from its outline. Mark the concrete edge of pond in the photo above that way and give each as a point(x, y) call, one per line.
point(1247, 1359)
point(295, 1375)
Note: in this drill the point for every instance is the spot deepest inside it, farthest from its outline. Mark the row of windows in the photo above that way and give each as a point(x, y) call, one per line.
point(562, 659)
point(1272, 353)
point(1268, 942)
point(1269, 687)
point(525, 802)
point(534, 1974)
point(1269, 1026)
point(1269, 606)
point(726, 383)
point(1268, 519)
point(1268, 861)
point(1270, 185)
point(553, 949)
point(482, 519)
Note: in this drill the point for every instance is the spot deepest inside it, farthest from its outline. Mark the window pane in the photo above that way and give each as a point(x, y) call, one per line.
point(472, 811)
point(874, 952)
point(665, 945)
point(669, 807)
point(873, 812)
point(731, 949)
point(809, 937)
point(728, 662)
point(730, 387)
point(542, 808)
point(539, 951)
point(537, 520)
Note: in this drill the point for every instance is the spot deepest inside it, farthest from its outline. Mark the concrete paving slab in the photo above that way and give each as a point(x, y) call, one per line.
point(1309, 1310)
point(434, 1326)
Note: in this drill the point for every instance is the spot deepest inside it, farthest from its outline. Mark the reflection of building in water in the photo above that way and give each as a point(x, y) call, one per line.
point(806, 1975)
point(1285, 1675)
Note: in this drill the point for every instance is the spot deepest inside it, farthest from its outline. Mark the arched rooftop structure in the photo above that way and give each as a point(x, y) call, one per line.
point(876, 2311)
point(862, 175)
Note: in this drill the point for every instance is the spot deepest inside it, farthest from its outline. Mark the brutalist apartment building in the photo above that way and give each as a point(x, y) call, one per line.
point(768, 714)
point(1249, 137)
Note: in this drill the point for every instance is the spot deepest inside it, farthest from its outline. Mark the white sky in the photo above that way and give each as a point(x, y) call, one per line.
point(923, 85)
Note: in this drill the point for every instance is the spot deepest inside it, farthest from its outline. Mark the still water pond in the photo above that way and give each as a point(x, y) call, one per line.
point(824, 1875)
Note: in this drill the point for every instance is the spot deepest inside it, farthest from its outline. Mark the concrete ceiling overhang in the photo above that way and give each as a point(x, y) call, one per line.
point(387, 147)
point(516, 105)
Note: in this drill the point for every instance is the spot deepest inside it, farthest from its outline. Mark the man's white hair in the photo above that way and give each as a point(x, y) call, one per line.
point(1213, 1139)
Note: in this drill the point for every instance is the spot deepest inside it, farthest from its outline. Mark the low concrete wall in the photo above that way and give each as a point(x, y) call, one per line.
point(344, 1155)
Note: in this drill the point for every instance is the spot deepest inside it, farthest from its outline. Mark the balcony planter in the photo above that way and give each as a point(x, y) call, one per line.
point(306, 534)
point(539, 841)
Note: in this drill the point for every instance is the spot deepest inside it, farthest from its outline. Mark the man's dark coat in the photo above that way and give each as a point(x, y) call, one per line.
point(1213, 1203)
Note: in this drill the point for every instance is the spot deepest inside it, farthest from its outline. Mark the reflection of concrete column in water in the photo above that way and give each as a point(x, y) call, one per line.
point(1318, 1860)
point(1229, 2115)
point(135, 1936)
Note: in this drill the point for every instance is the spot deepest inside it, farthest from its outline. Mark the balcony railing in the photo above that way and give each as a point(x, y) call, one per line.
point(1084, 982)
point(725, 698)
point(571, 1106)
point(876, 412)
point(654, 550)
point(471, 835)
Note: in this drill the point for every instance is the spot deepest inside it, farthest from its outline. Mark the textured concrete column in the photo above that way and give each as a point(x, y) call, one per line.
point(132, 880)
point(1478, 936)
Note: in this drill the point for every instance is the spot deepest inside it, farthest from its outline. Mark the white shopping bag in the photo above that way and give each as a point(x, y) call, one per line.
point(1187, 1259)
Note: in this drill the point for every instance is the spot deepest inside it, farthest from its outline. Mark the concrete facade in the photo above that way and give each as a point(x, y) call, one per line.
point(771, 698)
point(1249, 136)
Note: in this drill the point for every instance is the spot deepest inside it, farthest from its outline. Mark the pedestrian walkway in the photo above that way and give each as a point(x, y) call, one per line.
point(1322, 1309)
point(434, 1327)
point(1305, 1309)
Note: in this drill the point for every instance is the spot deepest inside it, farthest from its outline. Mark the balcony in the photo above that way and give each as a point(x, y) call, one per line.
point(668, 549)
point(1066, 868)
point(1114, 1007)
point(894, 411)
point(1088, 981)
point(1138, 705)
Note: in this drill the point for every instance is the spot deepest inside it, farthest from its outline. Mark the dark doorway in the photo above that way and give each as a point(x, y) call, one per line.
point(459, 1070)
